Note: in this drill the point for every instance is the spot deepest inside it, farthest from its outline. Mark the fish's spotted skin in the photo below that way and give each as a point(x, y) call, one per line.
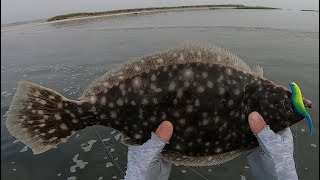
point(206, 92)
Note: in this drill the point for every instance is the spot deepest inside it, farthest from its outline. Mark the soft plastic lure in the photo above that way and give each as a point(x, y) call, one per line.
point(298, 104)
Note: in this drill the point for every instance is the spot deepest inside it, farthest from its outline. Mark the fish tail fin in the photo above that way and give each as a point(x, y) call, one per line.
point(310, 123)
point(41, 118)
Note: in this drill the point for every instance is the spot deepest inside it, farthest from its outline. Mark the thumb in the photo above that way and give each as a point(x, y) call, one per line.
point(165, 131)
point(256, 122)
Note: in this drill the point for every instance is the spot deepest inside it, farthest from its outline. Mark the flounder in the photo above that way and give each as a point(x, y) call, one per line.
point(206, 92)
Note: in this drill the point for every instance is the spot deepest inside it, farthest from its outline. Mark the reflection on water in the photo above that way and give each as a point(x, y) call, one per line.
point(68, 56)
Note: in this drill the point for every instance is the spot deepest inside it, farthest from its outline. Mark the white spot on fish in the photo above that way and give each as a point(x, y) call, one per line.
point(183, 171)
point(236, 92)
point(63, 126)
point(176, 114)
point(197, 102)
point(218, 150)
point(221, 77)
point(205, 122)
point(122, 86)
point(180, 93)
point(103, 116)
point(136, 82)
point(172, 86)
point(93, 99)
point(200, 89)
point(186, 84)
point(189, 108)
point(182, 121)
point(103, 100)
point(53, 138)
point(160, 60)
point(155, 100)
point(153, 77)
point(137, 136)
point(57, 116)
point(51, 97)
point(111, 105)
point(209, 84)
point(43, 102)
point(75, 121)
point(218, 58)
point(120, 102)
point(221, 90)
point(188, 74)
point(144, 101)
point(137, 68)
point(178, 147)
point(228, 71)
point(216, 119)
point(40, 112)
point(204, 114)
point(133, 103)
point(204, 74)
point(51, 131)
point(113, 114)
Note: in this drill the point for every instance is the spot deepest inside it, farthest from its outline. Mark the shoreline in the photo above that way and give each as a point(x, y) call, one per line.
point(76, 16)
point(136, 11)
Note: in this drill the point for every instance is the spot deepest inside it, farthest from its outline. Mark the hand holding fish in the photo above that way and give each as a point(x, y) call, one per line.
point(273, 159)
point(144, 161)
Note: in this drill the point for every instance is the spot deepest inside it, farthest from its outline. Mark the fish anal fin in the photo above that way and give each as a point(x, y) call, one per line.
point(217, 159)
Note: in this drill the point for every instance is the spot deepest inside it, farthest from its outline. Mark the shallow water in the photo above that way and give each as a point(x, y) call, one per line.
point(68, 56)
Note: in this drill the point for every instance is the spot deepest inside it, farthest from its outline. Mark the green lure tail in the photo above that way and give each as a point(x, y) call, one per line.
point(297, 101)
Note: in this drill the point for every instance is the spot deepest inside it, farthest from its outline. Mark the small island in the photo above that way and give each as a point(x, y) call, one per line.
point(309, 10)
point(153, 9)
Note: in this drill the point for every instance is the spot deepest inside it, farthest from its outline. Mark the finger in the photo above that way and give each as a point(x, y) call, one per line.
point(165, 131)
point(256, 122)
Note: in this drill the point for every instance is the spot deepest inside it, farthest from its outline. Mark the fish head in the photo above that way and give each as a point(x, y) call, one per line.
point(275, 105)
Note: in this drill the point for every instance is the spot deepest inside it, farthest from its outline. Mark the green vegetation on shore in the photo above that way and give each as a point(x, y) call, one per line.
point(136, 10)
point(309, 10)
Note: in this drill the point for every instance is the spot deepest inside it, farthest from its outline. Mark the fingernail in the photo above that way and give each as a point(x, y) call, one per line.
point(256, 122)
point(165, 130)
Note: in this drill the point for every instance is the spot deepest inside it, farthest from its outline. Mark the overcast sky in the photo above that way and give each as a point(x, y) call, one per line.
point(24, 10)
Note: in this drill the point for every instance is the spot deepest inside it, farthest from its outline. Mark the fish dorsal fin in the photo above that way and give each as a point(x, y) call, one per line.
point(217, 159)
point(257, 70)
point(186, 52)
point(213, 54)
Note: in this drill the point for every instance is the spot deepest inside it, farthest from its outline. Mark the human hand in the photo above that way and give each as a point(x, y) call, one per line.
point(273, 159)
point(144, 161)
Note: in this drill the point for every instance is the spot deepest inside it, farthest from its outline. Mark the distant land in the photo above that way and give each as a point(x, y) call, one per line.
point(310, 10)
point(153, 9)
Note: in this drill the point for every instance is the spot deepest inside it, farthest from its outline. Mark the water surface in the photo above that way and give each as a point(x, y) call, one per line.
point(68, 56)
